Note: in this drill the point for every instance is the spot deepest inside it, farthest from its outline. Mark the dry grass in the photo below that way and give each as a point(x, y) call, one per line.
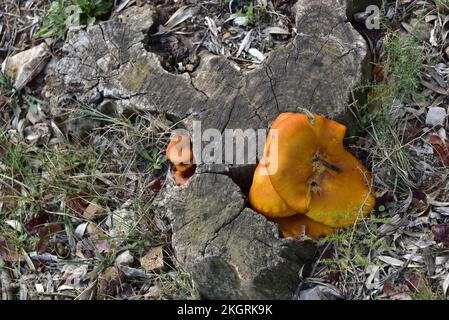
point(119, 166)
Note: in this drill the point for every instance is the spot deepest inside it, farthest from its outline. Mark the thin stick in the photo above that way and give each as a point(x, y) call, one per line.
point(5, 281)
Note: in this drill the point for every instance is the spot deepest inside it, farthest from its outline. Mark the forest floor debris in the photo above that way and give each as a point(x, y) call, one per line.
point(66, 231)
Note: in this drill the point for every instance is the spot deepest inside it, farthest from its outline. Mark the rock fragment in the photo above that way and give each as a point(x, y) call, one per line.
point(26, 65)
point(436, 116)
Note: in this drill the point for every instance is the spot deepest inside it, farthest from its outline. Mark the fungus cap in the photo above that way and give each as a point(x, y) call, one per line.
point(310, 173)
point(264, 198)
point(179, 152)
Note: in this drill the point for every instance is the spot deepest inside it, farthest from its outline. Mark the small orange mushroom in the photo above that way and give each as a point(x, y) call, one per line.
point(311, 181)
point(179, 152)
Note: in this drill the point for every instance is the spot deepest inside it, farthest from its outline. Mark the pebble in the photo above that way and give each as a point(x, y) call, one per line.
point(436, 116)
point(124, 259)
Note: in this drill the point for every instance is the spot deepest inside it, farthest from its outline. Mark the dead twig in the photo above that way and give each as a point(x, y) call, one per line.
point(5, 281)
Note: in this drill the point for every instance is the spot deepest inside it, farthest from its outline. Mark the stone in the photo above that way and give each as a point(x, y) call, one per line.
point(230, 251)
point(26, 65)
point(124, 259)
point(436, 116)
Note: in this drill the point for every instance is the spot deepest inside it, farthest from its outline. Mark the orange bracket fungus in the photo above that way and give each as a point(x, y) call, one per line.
point(179, 152)
point(306, 181)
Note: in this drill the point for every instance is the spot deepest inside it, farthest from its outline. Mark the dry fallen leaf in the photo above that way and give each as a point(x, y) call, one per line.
point(94, 211)
point(446, 284)
point(3, 100)
point(8, 252)
point(33, 225)
point(440, 149)
point(246, 43)
point(73, 275)
point(441, 233)
point(276, 30)
point(401, 296)
point(37, 132)
point(9, 197)
point(392, 292)
point(411, 133)
point(44, 236)
point(153, 260)
point(434, 87)
point(391, 261)
point(77, 202)
point(108, 282)
point(181, 15)
point(257, 54)
point(80, 204)
point(99, 238)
